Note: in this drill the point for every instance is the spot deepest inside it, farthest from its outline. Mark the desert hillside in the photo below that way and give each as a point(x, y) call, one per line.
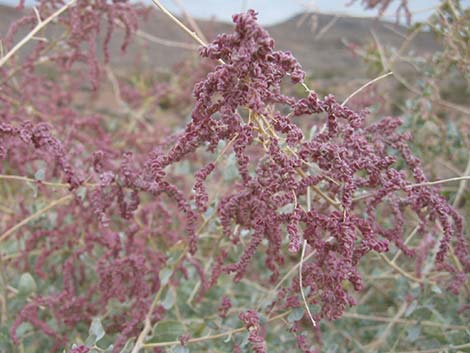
point(317, 40)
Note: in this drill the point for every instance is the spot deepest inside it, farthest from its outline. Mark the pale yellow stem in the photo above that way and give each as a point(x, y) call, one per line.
point(403, 321)
point(209, 337)
point(193, 34)
point(304, 246)
point(442, 181)
point(35, 215)
point(365, 86)
point(30, 35)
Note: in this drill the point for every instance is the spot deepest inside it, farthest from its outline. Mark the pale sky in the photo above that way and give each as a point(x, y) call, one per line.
point(272, 11)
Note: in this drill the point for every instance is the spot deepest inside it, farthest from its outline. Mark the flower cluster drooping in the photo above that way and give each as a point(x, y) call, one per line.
point(346, 190)
point(251, 320)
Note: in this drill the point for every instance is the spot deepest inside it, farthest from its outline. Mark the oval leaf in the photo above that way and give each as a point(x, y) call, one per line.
point(96, 329)
point(27, 284)
point(167, 331)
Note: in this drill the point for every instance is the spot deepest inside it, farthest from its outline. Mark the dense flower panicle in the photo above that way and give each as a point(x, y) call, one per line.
point(39, 136)
point(351, 158)
point(251, 75)
point(121, 278)
point(30, 314)
point(85, 22)
point(130, 205)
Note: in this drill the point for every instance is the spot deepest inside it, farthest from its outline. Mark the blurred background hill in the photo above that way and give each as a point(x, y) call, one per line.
point(321, 42)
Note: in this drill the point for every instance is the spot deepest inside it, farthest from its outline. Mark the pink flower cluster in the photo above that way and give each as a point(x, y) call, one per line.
point(251, 320)
point(359, 179)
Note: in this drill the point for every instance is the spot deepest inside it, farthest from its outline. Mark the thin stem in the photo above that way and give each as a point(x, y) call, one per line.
point(165, 42)
point(30, 35)
point(304, 246)
point(200, 41)
point(35, 215)
point(286, 276)
point(402, 321)
point(193, 34)
point(365, 86)
point(381, 50)
point(31, 180)
point(139, 344)
point(442, 181)
point(403, 272)
point(304, 299)
point(229, 144)
point(190, 20)
point(438, 101)
point(373, 346)
point(462, 185)
point(335, 203)
point(291, 271)
point(427, 183)
point(210, 337)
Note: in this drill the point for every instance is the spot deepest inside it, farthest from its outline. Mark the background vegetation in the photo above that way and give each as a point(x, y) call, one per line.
point(131, 196)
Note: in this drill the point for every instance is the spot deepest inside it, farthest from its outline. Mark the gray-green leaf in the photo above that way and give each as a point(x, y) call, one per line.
point(27, 284)
point(96, 329)
point(411, 308)
point(169, 300)
point(165, 275)
point(167, 331)
point(296, 314)
point(40, 174)
point(128, 347)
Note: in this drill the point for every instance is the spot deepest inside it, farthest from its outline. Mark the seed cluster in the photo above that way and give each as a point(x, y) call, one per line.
point(346, 190)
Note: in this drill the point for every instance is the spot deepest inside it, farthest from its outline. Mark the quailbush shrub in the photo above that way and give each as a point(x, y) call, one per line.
point(134, 226)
